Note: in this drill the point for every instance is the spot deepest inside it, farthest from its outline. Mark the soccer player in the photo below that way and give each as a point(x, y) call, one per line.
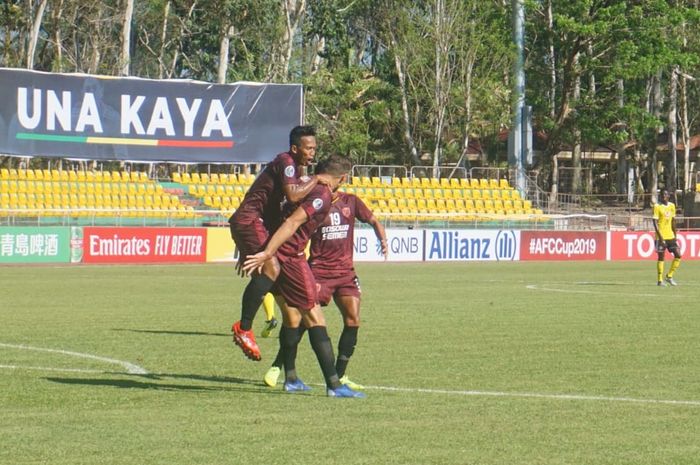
point(259, 216)
point(331, 261)
point(665, 227)
point(296, 284)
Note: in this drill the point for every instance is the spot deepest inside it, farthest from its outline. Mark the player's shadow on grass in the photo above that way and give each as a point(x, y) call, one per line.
point(176, 333)
point(154, 385)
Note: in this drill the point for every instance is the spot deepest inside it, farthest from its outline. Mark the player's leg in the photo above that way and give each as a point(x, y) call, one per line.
point(321, 344)
point(349, 306)
point(676, 251)
point(270, 320)
point(260, 284)
point(249, 238)
point(290, 335)
point(661, 253)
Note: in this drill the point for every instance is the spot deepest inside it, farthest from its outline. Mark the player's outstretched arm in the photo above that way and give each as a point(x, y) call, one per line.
point(282, 235)
point(381, 235)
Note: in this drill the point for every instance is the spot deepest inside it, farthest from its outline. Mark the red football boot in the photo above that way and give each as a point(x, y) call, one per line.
point(246, 341)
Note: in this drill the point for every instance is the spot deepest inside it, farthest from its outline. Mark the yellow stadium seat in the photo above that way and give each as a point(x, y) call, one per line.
point(493, 183)
point(249, 179)
point(503, 184)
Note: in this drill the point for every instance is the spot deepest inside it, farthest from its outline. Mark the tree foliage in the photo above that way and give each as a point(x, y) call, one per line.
point(405, 82)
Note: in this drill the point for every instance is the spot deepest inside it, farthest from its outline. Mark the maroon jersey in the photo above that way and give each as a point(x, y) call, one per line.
point(332, 244)
point(265, 197)
point(316, 205)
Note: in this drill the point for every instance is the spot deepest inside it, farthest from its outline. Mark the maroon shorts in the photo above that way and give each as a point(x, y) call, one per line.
point(296, 282)
point(250, 238)
point(344, 284)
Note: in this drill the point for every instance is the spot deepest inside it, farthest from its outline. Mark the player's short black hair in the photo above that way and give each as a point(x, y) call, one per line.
point(336, 165)
point(298, 132)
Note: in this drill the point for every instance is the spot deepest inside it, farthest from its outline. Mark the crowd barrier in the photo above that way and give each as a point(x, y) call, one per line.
point(79, 244)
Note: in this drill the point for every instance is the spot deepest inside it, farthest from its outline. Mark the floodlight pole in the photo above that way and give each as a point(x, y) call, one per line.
point(517, 146)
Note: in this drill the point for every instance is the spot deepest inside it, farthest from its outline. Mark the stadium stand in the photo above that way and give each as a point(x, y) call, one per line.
point(204, 196)
point(87, 194)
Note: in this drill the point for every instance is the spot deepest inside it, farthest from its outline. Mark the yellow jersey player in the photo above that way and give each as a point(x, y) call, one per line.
point(665, 227)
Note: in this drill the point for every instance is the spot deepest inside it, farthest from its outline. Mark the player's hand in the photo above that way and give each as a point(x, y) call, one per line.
point(385, 249)
point(239, 266)
point(254, 263)
point(324, 179)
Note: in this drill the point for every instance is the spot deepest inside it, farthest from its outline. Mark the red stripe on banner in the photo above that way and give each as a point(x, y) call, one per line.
point(196, 144)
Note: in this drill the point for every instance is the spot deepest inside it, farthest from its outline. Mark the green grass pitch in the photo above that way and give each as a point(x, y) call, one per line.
point(478, 363)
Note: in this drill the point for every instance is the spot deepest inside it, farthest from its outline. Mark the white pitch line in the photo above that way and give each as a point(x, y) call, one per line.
point(130, 367)
point(537, 287)
point(538, 395)
point(69, 370)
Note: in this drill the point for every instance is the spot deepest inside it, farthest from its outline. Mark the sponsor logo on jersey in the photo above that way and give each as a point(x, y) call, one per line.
point(317, 204)
point(290, 171)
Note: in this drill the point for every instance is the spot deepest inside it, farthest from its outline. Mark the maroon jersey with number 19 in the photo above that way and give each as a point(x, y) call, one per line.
point(332, 244)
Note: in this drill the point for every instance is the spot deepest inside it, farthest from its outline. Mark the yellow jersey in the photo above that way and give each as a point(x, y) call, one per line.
point(664, 216)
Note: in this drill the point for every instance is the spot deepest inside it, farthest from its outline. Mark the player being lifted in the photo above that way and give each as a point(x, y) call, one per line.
point(331, 261)
point(259, 216)
point(665, 227)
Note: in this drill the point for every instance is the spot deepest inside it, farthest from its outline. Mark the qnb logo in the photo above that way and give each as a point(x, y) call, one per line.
point(505, 246)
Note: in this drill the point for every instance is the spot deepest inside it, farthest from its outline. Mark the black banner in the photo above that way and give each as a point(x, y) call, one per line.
point(131, 119)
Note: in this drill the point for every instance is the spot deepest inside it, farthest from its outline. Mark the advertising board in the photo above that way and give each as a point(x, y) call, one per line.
point(144, 245)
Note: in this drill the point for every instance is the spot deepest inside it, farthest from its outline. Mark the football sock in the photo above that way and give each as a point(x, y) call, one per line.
point(659, 270)
point(674, 266)
point(269, 306)
point(289, 341)
point(346, 347)
point(323, 349)
point(253, 294)
point(279, 359)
